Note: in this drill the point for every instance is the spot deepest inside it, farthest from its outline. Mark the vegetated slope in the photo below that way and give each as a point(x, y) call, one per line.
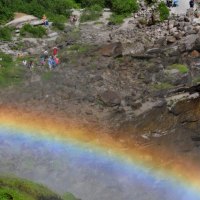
point(13, 188)
point(59, 10)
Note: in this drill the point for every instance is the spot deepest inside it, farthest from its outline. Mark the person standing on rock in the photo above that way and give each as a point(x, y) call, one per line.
point(191, 3)
point(175, 3)
point(55, 51)
point(169, 3)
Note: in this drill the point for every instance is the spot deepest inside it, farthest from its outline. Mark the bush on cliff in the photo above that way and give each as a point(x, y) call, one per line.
point(163, 10)
point(124, 7)
point(37, 32)
point(5, 34)
point(91, 14)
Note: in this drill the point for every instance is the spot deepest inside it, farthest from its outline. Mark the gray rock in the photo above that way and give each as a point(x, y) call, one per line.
point(171, 39)
point(112, 50)
point(54, 34)
point(110, 98)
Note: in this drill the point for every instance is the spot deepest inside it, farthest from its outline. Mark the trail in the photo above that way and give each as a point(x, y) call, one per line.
point(182, 7)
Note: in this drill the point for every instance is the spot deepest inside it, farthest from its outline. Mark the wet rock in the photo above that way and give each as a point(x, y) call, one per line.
point(110, 98)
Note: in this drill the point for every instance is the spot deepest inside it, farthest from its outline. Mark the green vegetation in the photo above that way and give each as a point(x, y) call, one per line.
point(5, 33)
point(124, 7)
point(10, 73)
point(13, 188)
point(81, 48)
point(91, 14)
point(162, 86)
point(116, 19)
point(59, 25)
point(196, 80)
point(60, 10)
point(37, 32)
point(182, 68)
point(52, 8)
point(47, 76)
point(163, 10)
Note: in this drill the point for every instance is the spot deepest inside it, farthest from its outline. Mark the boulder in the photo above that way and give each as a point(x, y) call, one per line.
point(110, 98)
point(54, 34)
point(171, 39)
point(189, 43)
point(112, 50)
point(195, 54)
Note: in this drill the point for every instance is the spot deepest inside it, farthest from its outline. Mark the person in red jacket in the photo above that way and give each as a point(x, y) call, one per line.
point(55, 51)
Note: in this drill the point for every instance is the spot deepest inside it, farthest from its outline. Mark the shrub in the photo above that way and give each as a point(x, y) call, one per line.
point(91, 14)
point(124, 7)
point(9, 73)
point(59, 26)
point(150, 1)
point(163, 10)
point(182, 68)
point(162, 86)
point(5, 34)
point(37, 32)
point(89, 3)
point(61, 6)
point(58, 18)
point(116, 19)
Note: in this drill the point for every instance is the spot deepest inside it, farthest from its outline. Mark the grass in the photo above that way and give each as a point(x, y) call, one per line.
point(182, 68)
point(5, 34)
point(37, 32)
point(91, 14)
point(196, 80)
point(21, 189)
point(10, 73)
point(81, 48)
point(47, 76)
point(116, 19)
point(162, 86)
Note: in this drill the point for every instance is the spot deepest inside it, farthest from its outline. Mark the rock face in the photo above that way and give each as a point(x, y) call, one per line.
point(110, 98)
point(112, 50)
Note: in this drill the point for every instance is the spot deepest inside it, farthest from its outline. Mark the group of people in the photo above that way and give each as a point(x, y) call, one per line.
point(172, 3)
point(52, 60)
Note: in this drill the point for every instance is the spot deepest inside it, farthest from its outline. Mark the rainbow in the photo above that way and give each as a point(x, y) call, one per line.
point(93, 165)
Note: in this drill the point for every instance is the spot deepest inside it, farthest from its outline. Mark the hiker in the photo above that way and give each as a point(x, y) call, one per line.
point(53, 63)
point(191, 3)
point(71, 20)
point(45, 21)
point(74, 19)
point(175, 3)
point(55, 51)
point(24, 62)
point(30, 64)
point(42, 60)
point(169, 3)
point(45, 54)
point(56, 59)
point(50, 62)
